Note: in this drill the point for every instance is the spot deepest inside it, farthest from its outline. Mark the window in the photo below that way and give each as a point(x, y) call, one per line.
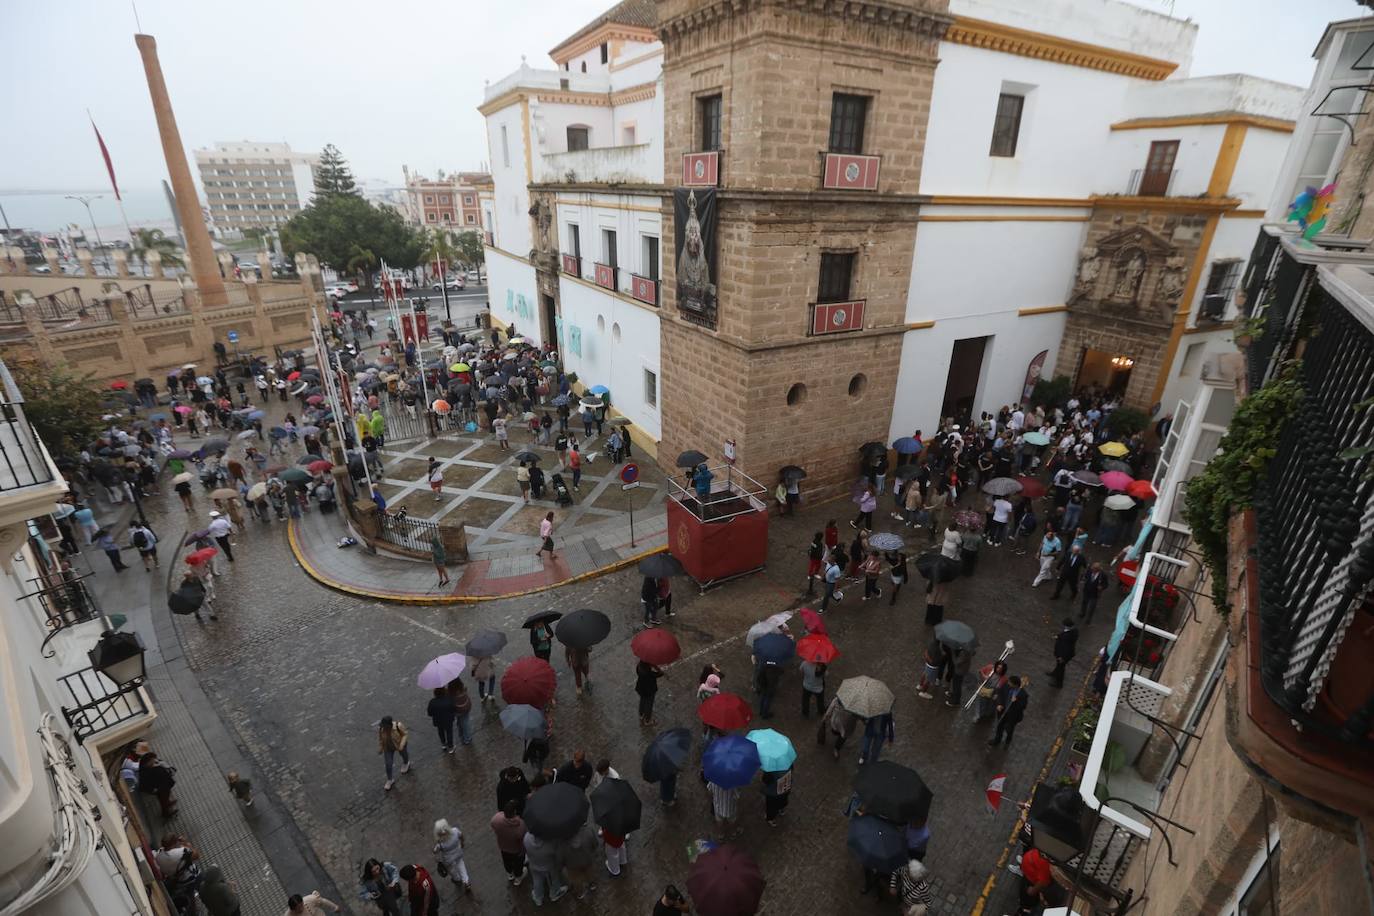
point(471, 219)
point(1258, 899)
point(836, 272)
point(443, 199)
point(1006, 126)
point(847, 115)
point(708, 110)
point(627, 135)
point(429, 198)
point(467, 200)
point(608, 248)
point(1221, 285)
point(796, 394)
point(448, 217)
point(1192, 360)
point(577, 138)
point(505, 148)
point(1159, 168)
point(605, 53)
point(575, 233)
point(650, 388)
point(584, 66)
point(650, 267)
point(431, 217)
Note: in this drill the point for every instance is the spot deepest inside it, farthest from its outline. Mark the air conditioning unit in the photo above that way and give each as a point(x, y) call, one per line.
point(1213, 307)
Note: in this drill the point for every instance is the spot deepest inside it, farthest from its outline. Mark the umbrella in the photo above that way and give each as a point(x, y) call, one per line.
point(592, 402)
point(224, 493)
point(215, 445)
point(1002, 486)
point(1111, 464)
point(792, 472)
point(1036, 438)
point(157, 416)
point(725, 882)
point(274, 469)
point(65, 509)
point(730, 761)
point(886, 541)
point(766, 626)
point(661, 566)
point(1142, 489)
point(1088, 478)
point(937, 567)
point(309, 459)
point(201, 556)
point(319, 467)
point(528, 456)
point(246, 434)
point(530, 680)
point(557, 811)
point(182, 409)
point(1114, 449)
point(872, 449)
point(292, 376)
point(257, 491)
point(119, 384)
point(187, 366)
point(294, 475)
point(877, 844)
point(817, 647)
point(615, 806)
point(666, 754)
point(486, 644)
point(441, 670)
point(865, 696)
point(524, 722)
point(1030, 487)
point(657, 647)
point(725, 711)
point(277, 432)
point(618, 421)
point(184, 477)
point(560, 400)
point(776, 752)
point(441, 406)
point(599, 389)
point(1116, 480)
point(906, 446)
point(459, 367)
point(892, 791)
point(539, 617)
point(956, 634)
point(583, 628)
point(310, 430)
point(1119, 501)
point(314, 399)
point(774, 647)
point(907, 471)
point(690, 459)
point(131, 451)
point(813, 621)
point(195, 536)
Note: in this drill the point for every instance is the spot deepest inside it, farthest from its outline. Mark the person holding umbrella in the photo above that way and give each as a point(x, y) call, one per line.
point(442, 712)
point(541, 639)
point(580, 661)
point(646, 685)
point(484, 673)
point(545, 862)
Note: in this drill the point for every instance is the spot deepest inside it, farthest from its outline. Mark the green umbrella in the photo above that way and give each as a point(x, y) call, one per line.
point(1036, 439)
point(294, 475)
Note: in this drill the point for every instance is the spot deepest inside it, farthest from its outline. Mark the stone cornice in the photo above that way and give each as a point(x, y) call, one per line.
point(606, 32)
point(1258, 122)
point(568, 97)
point(900, 16)
point(1201, 205)
point(994, 36)
point(634, 93)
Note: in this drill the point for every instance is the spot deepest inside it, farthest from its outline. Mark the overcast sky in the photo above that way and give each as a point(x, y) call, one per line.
point(387, 82)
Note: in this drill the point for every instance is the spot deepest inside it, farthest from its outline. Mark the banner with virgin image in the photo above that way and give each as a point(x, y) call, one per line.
point(694, 247)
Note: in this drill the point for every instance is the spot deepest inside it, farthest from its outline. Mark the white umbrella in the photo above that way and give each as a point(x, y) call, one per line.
point(1119, 501)
point(767, 625)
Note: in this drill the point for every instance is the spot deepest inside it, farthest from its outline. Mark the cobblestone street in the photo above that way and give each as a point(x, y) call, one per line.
point(300, 674)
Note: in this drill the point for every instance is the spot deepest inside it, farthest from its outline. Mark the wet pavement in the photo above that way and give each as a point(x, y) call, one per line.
point(300, 674)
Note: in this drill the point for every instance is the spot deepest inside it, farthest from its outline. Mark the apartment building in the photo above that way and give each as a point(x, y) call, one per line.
point(449, 201)
point(255, 185)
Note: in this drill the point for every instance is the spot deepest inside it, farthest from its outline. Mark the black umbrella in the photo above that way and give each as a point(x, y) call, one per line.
point(486, 644)
point(215, 445)
point(957, 635)
point(792, 472)
point(539, 617)
point(616, 807)
point(893, 791)
point(583, 629)
point(690, 459)
point(937, 567)
point(309, 459)
point(661, 566)
point(876, 843)
point(873, 449)
point(666, 754)
point(556, 812)
point(527, 456)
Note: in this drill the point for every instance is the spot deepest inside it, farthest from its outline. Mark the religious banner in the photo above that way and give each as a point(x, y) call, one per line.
point(407, 330)
point(422, 325)
point(1033, 371)
point(694, 223)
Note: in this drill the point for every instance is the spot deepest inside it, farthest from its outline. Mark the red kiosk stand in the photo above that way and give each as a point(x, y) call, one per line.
point(724, 535)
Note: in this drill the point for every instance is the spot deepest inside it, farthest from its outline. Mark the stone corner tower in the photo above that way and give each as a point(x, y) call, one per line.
point(812, 118)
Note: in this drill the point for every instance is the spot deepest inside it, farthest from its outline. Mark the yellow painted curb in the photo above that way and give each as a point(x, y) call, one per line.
point(398, 598)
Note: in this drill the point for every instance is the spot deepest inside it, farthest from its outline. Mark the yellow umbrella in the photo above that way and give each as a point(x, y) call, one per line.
point(460, 367)
point(1114, 449)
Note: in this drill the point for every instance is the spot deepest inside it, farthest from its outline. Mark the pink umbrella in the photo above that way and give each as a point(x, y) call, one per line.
point(441, 670)
point(182, 409)
point(1117, 480)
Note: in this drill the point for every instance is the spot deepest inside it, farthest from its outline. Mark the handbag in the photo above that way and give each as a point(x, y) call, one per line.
point(442, 869)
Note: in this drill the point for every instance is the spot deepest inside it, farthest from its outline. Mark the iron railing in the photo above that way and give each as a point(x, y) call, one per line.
point(23, 462)
point(1315, 507)
point(410, 533)
point(1151, 183)
point(97, 703)
point(65, 602)
point(144, 303)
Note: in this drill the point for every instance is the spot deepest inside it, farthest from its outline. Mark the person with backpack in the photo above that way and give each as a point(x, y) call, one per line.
point(145, 542)
point(179, 863)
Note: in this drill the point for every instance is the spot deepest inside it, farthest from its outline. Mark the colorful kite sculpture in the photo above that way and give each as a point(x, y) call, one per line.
point(1310, 209)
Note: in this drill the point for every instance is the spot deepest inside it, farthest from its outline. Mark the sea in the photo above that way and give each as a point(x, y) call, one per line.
point(50, 212)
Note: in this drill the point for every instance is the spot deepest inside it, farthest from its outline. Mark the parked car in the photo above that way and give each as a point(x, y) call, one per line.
point(453, 283)
point(337, 290)
point(474, 276)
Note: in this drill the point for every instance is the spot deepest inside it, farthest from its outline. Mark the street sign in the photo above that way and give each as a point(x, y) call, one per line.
point(630, 472)
point(233, 336)
point(630, 486)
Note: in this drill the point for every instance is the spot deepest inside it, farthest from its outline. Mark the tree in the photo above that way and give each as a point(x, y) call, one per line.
point(1052, 392)
point(469, 244)
point(149, 240)
point(332, 175)
point(64, 408)
point(336, 227)
point(1125, 422)
point(361, 262)
point(439, 247)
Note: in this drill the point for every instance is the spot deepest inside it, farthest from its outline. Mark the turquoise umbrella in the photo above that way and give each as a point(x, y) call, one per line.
point(1037, 439)
point(776, 753)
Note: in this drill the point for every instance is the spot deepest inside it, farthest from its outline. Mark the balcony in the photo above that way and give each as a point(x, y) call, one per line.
point(645, 289)
point(847, 172)
point(1151, 183)
point(572, 265)
point(701, 170)
point(635, 164)
point(607, 276)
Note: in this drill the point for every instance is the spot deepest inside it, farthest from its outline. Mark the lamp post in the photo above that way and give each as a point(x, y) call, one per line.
point(119, 657)
point(86, 202)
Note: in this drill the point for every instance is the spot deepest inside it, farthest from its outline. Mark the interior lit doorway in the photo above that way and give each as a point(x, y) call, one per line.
point(961, 384)
point(1109, 371)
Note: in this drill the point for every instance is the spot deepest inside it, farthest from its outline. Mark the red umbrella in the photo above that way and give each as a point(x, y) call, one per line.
point(725, 882)
point(1030, 487)
point(530, 681)
point(1141, 489)
point(724, 711)
point(814, 622)
point(201, 556)
point(657, 647)
point(1116, 480)
point(293, 376)
point(318, 467)
point(816, 647)
point(119, 384)
point(314, 399)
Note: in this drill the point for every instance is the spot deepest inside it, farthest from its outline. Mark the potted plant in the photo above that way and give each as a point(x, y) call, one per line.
point(1081, 733)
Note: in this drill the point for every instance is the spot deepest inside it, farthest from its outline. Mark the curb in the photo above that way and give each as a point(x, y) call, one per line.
point(405, 598)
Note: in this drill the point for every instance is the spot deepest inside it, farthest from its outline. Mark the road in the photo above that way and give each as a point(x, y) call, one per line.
point(464, 305)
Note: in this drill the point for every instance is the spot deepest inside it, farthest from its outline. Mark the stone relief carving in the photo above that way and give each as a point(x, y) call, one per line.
point(1128, 273)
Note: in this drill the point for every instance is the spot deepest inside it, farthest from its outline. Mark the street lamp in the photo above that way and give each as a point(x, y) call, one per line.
point(86, 202)
point(119, 656)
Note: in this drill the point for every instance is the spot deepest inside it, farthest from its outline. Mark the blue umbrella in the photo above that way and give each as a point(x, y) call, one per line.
point(560, 401)
point(180, 453)
point(730, 761)
point(599, 389)
point(774, 647)
point(277, 432)
point(776, 753)
point(877, 844)
point(666, 754)
point(906, 446)
point(256, 414)
point(157, 416)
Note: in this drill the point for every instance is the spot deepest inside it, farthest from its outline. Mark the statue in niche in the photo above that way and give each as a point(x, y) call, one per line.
point(1130, 274)
point(543, 219)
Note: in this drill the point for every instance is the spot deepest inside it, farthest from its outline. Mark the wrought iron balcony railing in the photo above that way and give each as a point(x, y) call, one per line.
point(23, 461)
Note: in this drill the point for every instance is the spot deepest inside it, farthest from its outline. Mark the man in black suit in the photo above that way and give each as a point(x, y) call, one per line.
point(1070, 570)
point(1094, 584)
point(1065, 644)
point(1011, 701)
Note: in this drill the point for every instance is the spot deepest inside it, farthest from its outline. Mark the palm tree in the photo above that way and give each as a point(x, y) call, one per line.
point(150, 240)
point(361, 261)
point(439, 247)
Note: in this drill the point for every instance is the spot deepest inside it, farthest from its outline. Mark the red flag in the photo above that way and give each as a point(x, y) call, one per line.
point(109, 165)
point(994, 792)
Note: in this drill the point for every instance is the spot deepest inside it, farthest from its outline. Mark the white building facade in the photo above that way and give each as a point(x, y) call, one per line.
point(252, 185)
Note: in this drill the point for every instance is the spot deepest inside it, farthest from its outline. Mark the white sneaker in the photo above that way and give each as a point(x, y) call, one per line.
point(405, 768)
point(386, 786)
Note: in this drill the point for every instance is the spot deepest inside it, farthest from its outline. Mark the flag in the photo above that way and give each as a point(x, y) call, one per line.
point(994, 793)
point(109, 165)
